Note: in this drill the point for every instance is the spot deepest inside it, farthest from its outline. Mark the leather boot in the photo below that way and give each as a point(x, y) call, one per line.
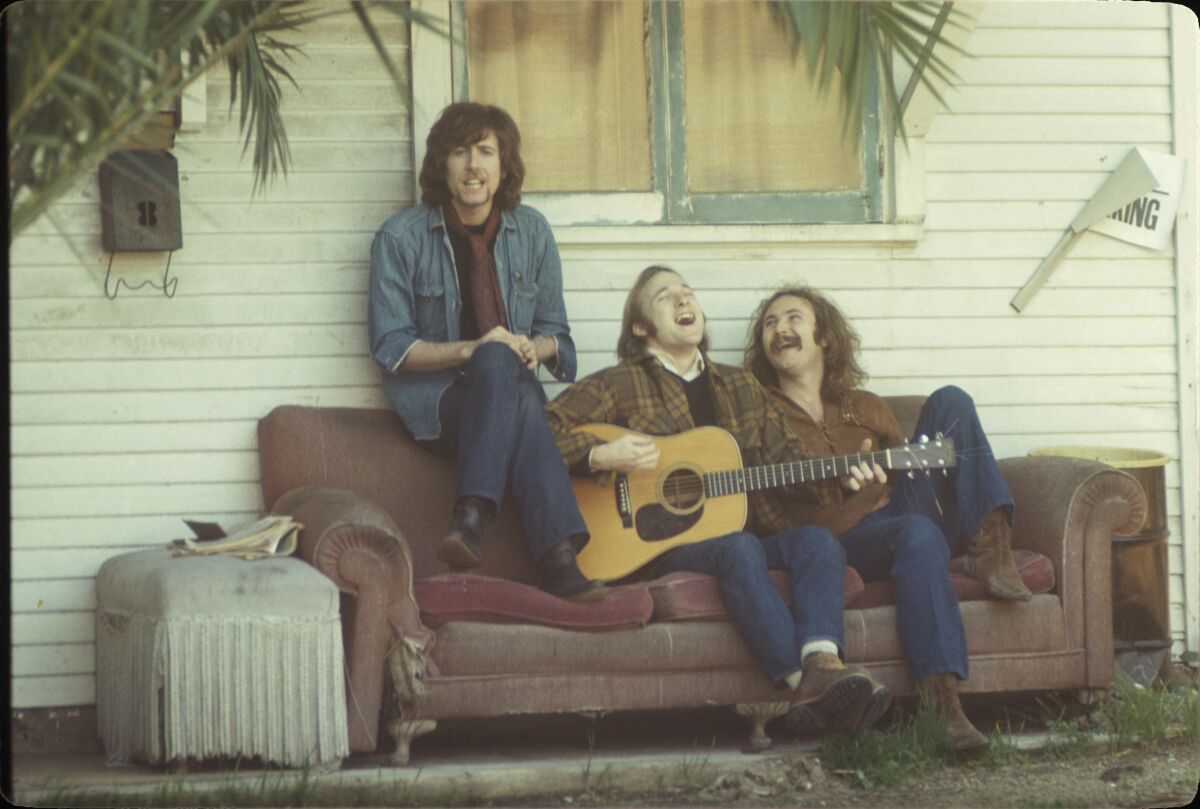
point(462, 546)
point(561, 575)
point(989, 559)
point(939, 692)
point(834, 695)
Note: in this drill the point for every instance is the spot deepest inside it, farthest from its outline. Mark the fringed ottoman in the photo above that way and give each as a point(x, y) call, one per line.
point(216, 656)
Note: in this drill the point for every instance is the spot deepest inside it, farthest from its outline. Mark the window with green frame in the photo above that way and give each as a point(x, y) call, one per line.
point(700, 104)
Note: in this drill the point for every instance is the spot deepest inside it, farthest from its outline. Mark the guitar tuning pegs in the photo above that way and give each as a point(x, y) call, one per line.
point(912, 475)
point(945, 473)
point(939, 434)
point(923, 439)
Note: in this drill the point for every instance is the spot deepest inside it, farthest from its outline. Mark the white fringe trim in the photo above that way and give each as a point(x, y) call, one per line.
point(195, 688)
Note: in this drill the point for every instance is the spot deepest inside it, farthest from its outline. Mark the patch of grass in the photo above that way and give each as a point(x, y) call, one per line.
point(914, 744)
point(1069, 741)
point(595, 785)
point(695, 770)
point(1141, 716)
point(1189, 712)
point(1000, 752)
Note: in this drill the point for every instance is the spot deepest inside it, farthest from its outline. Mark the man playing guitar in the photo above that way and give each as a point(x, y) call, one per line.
point(665, 385)
point(803, 350)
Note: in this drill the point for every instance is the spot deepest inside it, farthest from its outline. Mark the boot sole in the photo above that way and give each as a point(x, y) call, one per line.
point(596, 592)
point(588, 590)
point(846, 697)
point(876, 706)
point(456, 553)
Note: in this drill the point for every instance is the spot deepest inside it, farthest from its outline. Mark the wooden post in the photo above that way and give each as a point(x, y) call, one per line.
point(1044, 270)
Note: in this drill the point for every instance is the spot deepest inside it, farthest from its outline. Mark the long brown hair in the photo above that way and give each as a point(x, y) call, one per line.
point(843, 374)
point(464, 124)
point(629, 345)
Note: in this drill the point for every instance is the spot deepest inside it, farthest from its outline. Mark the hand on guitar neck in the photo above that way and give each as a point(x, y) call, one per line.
point(868, 479)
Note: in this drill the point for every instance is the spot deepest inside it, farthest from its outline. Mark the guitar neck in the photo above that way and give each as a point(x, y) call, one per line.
point(756, 478)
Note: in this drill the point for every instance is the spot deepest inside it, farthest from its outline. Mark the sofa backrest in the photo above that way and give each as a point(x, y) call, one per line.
point(368, 452)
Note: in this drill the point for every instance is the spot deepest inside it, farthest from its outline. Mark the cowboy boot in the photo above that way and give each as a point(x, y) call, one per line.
point(462, 546)
point(562, 577)
point(989, 559)
point(834, 695)
point(939, 692)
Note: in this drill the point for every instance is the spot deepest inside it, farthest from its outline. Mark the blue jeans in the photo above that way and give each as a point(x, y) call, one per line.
point(959, 501)
point(494, 426)
point(910, 539)
point(740, 561)
point(912, 551)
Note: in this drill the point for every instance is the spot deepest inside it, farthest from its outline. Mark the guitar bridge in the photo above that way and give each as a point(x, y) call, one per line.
point(624, 508)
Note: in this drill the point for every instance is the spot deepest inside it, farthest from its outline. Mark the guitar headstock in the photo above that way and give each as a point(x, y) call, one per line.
point(926, 455)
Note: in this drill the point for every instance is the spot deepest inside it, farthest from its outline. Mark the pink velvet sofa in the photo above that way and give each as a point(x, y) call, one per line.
point(424, 644)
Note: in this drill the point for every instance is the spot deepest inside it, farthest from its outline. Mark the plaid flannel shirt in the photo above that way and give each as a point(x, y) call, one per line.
point(641, 395)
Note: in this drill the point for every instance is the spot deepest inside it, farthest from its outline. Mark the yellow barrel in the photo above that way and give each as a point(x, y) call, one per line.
point(1139, 566)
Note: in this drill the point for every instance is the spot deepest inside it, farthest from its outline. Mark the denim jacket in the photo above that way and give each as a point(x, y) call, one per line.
point(414, 296)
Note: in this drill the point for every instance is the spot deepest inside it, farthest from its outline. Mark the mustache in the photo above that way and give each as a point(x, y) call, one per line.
point(779, 342)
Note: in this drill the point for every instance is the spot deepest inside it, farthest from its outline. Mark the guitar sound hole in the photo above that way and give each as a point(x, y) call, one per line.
point(682, 489)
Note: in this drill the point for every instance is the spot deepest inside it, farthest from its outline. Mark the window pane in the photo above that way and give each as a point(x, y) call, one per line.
point(754, 121)
point(573, 75)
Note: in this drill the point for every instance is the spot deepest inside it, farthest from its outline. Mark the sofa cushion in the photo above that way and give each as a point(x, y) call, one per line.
point(1037, 571)
point(678, 650)
point(694, 596)
point(484, 599)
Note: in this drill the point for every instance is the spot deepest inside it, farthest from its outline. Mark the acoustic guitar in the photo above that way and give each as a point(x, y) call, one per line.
point(698, 491)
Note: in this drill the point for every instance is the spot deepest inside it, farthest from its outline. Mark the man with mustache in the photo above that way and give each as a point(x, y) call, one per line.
point(803, 350)
point(665, 385)
point(465, 304)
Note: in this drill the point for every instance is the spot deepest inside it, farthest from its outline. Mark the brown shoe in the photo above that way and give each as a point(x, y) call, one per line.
point(989, 559)
point(834, 695)
point(939, 692)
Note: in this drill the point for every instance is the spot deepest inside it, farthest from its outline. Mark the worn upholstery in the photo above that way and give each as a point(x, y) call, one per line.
point(686, 596)
point(355, 463)
point(1036, 571)
point(458, 597)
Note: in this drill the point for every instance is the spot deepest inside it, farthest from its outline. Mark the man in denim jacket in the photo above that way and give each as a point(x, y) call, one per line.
point(465, 304)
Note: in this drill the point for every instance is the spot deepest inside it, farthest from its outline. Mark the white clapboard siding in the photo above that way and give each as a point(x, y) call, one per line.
point(70, 689)
point(129, 415)
point(1030, 134)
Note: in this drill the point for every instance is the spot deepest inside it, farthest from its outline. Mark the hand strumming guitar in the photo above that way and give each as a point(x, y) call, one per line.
point(629, 453)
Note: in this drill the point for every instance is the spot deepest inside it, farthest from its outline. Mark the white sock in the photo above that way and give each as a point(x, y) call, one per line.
point(827, 646)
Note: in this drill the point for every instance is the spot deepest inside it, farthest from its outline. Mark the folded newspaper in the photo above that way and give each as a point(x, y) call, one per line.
point(274, 535)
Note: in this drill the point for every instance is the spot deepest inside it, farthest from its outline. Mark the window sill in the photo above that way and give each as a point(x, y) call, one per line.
point(892, 235)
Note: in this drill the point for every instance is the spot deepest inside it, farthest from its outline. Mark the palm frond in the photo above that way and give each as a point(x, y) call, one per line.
point(856, 40)
point(82, 77)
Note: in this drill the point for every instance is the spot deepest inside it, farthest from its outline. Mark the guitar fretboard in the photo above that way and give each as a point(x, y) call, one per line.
point(755, 478)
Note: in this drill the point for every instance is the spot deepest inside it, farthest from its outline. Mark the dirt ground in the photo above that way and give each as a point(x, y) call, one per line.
point(1140, 778)
point(1162, 778)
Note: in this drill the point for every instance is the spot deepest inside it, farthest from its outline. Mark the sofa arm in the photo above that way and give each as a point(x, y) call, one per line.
point(1057, 496)
point(357, 544)
point(1069, 509)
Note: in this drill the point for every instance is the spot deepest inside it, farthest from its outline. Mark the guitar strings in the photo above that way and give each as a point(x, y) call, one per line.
point(695, 484)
